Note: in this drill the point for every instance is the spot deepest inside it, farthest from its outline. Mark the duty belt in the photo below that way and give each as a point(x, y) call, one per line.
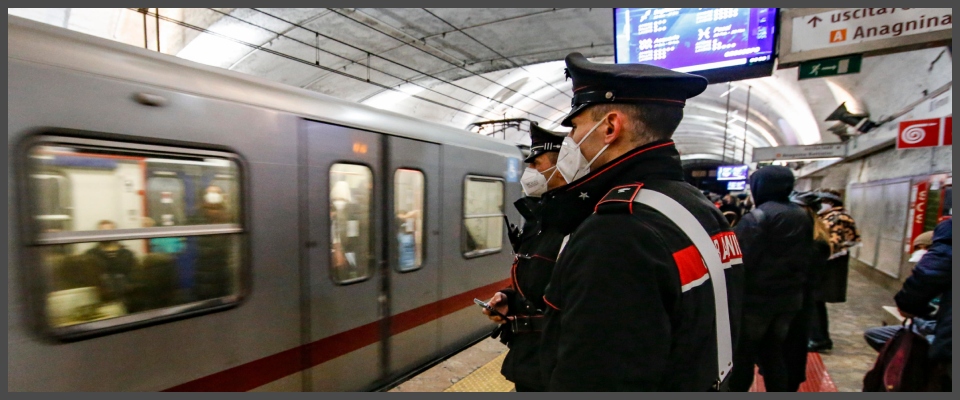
point(527, 324)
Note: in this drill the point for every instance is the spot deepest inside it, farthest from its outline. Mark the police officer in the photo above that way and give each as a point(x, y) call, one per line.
point(535, 253)
point(646, 291)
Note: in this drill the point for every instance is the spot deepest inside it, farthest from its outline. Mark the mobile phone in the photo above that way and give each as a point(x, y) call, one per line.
point(483, 304)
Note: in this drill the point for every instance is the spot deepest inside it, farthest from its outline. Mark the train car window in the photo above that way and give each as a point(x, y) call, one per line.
point(127, 234)
point(351, 236)
point(408, 205)
point(482, 231)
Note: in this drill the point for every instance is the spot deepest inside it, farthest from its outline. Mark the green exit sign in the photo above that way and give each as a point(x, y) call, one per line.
point(830, 67)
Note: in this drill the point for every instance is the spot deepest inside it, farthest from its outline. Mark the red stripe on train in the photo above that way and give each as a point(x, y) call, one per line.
point(259, 372)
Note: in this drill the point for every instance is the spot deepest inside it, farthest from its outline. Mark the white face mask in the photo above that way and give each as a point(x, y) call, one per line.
point(339, 204)
point(213, 197)
point(916, 256)
point(570, 162)
point(534, 183)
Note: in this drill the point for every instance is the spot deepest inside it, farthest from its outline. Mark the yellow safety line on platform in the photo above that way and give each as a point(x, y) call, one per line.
point(485, 379)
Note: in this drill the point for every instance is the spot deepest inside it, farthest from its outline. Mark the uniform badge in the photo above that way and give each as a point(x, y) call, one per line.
point(620, 195)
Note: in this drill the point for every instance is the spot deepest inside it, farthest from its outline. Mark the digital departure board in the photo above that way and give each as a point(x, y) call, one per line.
point(733, 172)
point(721, 44)
point(736, 185)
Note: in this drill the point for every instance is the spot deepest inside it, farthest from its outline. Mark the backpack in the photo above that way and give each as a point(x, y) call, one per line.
point(902, 365)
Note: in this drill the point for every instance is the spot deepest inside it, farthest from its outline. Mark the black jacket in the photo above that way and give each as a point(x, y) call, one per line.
point(621, 316)
point(933, 277)
point(532, 266)
point(776, 251)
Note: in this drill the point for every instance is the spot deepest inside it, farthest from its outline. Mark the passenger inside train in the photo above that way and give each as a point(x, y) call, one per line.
point(84, 192)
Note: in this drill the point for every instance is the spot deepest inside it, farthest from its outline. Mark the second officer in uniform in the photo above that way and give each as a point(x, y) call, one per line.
point(536, 251)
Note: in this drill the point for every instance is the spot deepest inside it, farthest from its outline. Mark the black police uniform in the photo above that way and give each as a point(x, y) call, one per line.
point(535, 251)
point(630, 304)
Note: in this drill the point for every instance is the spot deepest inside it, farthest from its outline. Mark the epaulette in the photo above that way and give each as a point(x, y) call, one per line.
point(618, 200)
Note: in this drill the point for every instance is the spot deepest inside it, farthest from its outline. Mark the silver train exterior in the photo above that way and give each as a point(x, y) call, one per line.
point(286, 324)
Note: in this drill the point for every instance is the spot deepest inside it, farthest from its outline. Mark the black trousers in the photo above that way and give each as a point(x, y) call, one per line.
point(761, 342)
point(819, 323)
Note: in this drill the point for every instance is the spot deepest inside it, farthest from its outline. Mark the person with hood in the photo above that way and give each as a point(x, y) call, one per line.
point(774, 238)
point(535, 250)
point(833, 283)
point(795, 345)
point(932, 278)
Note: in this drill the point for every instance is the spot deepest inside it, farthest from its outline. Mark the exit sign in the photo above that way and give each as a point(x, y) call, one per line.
point(830, 67)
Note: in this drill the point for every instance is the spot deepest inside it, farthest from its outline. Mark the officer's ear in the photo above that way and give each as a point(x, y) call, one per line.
point(615, 127)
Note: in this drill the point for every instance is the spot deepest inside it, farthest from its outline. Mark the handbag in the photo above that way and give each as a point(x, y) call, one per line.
point(902, 365)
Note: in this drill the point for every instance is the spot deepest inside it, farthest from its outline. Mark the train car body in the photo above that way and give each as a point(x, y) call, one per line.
point(275, 239)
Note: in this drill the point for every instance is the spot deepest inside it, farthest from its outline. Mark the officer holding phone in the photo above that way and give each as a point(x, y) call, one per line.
point(535, 249)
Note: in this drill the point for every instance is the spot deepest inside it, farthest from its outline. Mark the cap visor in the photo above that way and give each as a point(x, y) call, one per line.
point(573, 113)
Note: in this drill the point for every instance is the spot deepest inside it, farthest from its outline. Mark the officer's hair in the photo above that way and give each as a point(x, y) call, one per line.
point(660, 120)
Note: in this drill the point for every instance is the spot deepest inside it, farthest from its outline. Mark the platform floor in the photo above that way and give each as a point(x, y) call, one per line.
point(477, 369)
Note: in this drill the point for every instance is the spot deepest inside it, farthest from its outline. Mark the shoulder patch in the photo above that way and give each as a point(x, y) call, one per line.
point(619, 199)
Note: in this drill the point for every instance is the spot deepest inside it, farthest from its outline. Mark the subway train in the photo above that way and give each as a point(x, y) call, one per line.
point(179, 227)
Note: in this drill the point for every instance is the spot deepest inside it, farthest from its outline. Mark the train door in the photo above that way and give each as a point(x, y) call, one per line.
point(413, 236)
point(341, 324)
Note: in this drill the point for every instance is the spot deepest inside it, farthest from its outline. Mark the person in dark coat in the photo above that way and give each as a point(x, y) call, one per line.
point(535, 252)
point(795, 344)
point(832, 286)
point(933, 277)
point(631, 304)
point(116, 263)
point(775, 269)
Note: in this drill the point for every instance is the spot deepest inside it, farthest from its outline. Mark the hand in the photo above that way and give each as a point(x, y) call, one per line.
point(903, 313)
point(498, 302)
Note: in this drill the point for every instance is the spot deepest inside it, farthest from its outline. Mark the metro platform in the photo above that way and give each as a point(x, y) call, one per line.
point(477, 369)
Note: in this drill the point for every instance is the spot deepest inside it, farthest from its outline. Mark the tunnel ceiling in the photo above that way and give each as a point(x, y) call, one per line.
point(460, 66)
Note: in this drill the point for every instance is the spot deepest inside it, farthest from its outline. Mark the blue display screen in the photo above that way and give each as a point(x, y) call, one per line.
point(733, 172)
point(737, 185)
point(695, 39)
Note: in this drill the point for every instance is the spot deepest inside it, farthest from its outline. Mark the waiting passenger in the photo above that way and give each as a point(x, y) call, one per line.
point(745, 204)
point(730, 207)
point(795, 345)
point(536, 251)
point(933, 277)
point(116, 262)
point(878, 336)
point(774, 238)
point(833, 284)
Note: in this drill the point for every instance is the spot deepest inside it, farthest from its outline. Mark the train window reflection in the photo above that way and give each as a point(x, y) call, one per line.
point(351, 239)
point(482, 231)
point(124, 232)
point(125, 186)
point(408, 206)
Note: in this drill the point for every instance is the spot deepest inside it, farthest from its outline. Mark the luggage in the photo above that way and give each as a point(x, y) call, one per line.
point(903, 364)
